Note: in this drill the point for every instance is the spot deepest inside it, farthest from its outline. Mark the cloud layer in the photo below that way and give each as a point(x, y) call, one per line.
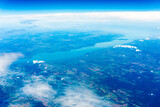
point(90, 16)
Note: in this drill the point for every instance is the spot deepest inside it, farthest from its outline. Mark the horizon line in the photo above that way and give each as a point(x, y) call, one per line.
point(73, 12)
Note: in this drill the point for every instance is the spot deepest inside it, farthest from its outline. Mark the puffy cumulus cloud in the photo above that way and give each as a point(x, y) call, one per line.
point(127, 46)
point(6, 59)
point(36, 61)
point(80, 97)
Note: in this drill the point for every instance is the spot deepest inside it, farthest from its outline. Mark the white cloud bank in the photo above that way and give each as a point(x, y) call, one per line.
point(131, 24)
point(141, 16)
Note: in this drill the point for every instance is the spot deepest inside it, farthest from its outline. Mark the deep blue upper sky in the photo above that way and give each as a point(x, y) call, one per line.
point(79, 5)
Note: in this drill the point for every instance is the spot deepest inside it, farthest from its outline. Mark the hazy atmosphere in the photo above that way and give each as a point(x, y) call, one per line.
point(83, 53)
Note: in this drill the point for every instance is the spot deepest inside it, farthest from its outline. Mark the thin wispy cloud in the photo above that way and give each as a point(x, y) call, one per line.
point(78, 96)
point(38, 89)
point(6, 60)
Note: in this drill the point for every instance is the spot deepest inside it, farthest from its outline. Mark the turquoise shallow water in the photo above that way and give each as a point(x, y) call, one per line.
point(66, 55)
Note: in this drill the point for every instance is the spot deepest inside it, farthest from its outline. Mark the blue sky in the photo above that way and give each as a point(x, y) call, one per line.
point(79, 5)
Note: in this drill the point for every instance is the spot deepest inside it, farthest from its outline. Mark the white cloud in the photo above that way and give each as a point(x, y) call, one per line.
point(36, 61)
point(80, 97)
point(147, 38)
point(125, 46)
